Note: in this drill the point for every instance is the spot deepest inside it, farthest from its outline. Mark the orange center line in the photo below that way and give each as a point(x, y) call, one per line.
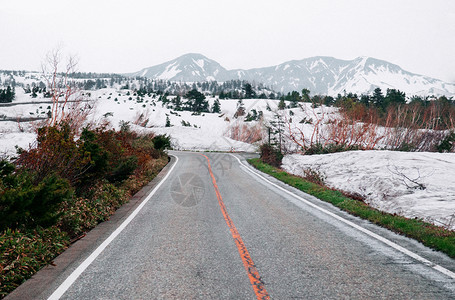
point(253, 274)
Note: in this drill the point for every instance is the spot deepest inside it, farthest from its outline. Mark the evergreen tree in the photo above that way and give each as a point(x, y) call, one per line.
point(196, 101)
point(378, 98)
point(177, 103)
point(329, 101)
point(306, 95)
point(34, 92)
point(168, 122)
point(89, 84)
point(249, 93)
point(7, 95)
point(216, 108)
point(365, 100)
point(394, 96)
point(294, 97)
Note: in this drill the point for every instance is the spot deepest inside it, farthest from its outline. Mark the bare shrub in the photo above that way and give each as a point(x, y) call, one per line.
point(63, 91)
point(334, 133)
point(314, 175)
point(297, 135)
point(247, 133)
point(416, 128)
point(142, 118)
point(350, 133)
point(411, 182)
point(405, 127)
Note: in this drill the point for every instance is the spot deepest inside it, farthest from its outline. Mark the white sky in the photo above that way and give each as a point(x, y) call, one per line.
point(126, 36)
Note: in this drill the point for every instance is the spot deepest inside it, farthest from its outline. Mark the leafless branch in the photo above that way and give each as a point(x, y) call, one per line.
point(410, 183)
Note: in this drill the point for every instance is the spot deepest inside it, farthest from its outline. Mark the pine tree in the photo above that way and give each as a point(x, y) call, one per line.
point(394, 97)
point(306, 95)
point(365, 99)
point(249, 93)
point(216, 108)
point(177, 103)
point(196, 102)
point(378, 98)
point(7, 95)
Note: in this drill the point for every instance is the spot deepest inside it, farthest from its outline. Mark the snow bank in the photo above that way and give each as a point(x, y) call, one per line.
point(414, 185)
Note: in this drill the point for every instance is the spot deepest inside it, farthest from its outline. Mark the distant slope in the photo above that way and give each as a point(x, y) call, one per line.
point(189, 68)
point(321, 75)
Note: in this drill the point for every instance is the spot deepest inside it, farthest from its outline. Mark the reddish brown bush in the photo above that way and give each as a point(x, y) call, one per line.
point(245, 133)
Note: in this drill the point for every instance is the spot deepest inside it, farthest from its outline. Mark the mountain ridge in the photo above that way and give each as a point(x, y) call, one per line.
point(320, 74)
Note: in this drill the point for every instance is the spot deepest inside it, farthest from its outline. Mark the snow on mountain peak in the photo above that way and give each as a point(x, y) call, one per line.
point(321, 75)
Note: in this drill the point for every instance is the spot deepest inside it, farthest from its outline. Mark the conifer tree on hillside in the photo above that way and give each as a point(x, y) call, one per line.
point(378, 97)
point(168, 122)
point(249, 93)
point(281, 104)
point(394, 96)
point(177, 101)
point(306, 95)
point(196, 102)
point(216, 108)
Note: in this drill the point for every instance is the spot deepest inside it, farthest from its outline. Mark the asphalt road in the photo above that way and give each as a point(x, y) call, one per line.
point(224, 233)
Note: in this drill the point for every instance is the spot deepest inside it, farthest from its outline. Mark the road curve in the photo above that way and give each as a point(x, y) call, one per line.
point(214, 230)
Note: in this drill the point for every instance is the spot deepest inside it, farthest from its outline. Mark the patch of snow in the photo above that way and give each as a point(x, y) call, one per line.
point(170, 72)
point(382, 177)
point(199, 62)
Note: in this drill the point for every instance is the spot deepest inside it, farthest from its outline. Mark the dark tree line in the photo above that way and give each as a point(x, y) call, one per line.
point(233, 89)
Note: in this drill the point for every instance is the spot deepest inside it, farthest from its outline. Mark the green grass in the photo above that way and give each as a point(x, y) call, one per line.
point(430, 235)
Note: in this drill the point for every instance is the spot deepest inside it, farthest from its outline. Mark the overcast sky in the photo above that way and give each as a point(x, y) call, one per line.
point(126, 36)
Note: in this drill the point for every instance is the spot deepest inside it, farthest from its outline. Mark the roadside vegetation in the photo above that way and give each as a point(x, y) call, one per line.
point(377, 121)
point(56, 191)
point(435, 237)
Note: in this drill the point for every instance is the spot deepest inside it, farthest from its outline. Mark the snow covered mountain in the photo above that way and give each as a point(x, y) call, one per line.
point(321, 75)
point(190, 67)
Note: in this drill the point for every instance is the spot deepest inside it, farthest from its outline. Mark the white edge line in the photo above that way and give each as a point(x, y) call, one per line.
point(81, 268)
point(364, 230)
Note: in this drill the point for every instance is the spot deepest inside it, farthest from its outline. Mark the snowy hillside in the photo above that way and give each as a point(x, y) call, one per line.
point(189, 131)
point(321, 75)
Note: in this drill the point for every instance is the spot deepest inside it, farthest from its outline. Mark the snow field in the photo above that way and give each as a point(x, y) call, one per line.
point(389, 180)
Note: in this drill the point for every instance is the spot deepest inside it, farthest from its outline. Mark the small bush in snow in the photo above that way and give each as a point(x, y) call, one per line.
point(314, 175)
point(271, 155)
